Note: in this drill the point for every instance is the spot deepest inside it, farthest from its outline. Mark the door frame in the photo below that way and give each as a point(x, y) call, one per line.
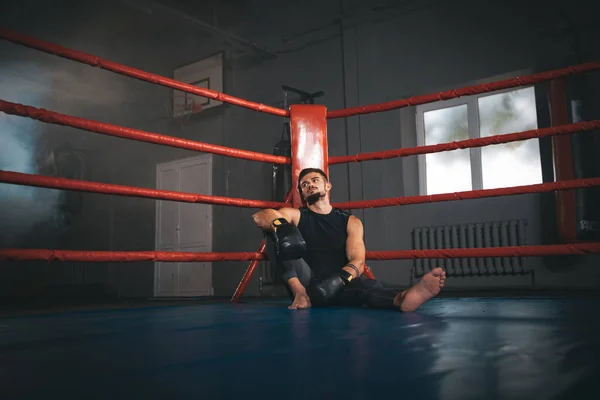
point(182, 162)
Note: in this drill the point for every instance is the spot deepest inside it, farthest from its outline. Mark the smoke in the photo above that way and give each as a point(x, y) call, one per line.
point(29, 216)
point(38, 217)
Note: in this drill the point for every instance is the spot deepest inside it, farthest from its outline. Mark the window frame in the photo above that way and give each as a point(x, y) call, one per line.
point(472, 103)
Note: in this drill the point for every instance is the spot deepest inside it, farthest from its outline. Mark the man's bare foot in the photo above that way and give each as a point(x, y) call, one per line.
point(428, 287)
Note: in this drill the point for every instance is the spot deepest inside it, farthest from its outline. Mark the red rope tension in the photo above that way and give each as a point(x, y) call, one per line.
point(472, 194)
point(108, 188)
point(165, 256)
point(96, 61)
point(466, 91)
point(468, 143)
point(133, 134)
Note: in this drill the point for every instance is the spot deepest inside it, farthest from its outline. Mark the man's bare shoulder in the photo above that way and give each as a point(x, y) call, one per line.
point(354, 224)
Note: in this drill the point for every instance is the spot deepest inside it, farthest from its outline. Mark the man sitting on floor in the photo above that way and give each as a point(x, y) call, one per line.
point(321, 254)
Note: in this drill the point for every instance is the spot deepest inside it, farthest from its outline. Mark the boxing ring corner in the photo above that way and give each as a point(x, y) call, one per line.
point(310, 149)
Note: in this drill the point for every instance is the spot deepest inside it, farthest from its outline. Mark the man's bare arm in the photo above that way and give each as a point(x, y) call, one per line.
point(355, 246)
point(264, 218)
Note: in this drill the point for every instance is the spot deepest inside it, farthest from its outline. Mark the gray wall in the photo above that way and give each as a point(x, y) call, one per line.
point(383, 53)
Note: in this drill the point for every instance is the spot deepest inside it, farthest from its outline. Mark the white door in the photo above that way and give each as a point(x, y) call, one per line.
point(184, 227)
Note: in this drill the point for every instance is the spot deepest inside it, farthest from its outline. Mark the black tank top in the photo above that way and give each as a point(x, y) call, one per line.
point(325, 236)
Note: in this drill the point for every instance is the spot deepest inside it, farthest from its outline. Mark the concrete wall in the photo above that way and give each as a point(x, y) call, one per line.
point(383, 53)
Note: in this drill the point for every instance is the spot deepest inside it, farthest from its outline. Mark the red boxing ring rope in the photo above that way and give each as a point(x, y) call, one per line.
point(96, 61)
point(123, 256)
point(466, 91)
point(471, 194)
point(166, 256)
point(109, 188)
point(133, 134)
point(508, 251)
point(469, 143)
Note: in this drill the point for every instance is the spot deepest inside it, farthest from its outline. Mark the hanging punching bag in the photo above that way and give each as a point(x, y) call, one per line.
point(281, 184)
point(282, 173)
point(575, 158)
point(584, 163)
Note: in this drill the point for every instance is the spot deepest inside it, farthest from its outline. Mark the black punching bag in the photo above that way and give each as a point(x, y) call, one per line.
point(583, 146)
point(281, 184)
point(282, 173)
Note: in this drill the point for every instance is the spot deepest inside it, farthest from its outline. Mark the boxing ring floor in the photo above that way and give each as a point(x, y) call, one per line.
point(452, 348)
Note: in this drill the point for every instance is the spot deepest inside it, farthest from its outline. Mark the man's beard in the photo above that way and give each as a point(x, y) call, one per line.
point(312, 198)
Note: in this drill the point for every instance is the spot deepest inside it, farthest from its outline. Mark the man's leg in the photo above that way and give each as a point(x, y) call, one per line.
point(428, 287)
point(290, 268)
point(367, 292)
point(373, 294)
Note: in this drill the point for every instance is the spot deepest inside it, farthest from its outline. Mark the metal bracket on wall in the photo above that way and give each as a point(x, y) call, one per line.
point(305, 97)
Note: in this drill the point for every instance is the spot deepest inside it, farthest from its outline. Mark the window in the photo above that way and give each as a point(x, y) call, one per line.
point(495, 166)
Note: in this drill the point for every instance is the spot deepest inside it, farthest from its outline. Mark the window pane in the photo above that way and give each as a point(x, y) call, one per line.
point(516, 163)
point(449, 171)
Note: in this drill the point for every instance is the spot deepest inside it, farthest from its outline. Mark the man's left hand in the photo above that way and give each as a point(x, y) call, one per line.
point(323, 292)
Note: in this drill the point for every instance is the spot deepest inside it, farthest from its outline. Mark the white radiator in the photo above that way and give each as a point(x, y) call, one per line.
point(473, 235)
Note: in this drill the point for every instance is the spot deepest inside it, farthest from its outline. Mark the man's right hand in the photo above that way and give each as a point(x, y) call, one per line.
point(301, 300)
point(289, 243)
